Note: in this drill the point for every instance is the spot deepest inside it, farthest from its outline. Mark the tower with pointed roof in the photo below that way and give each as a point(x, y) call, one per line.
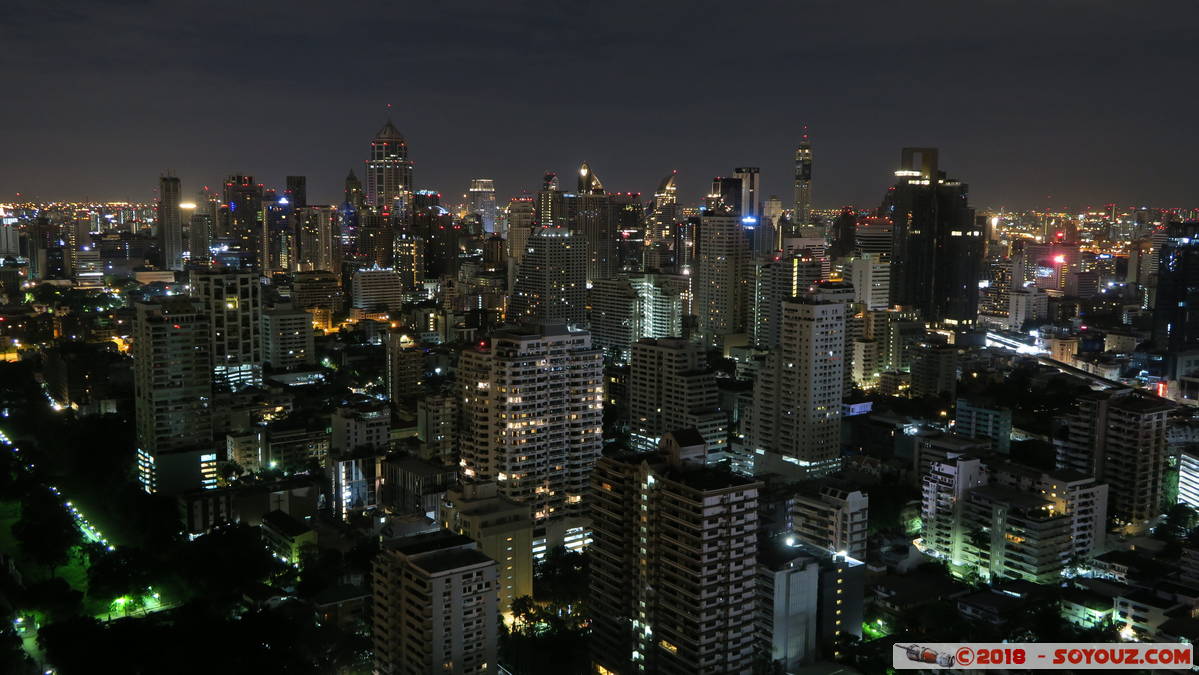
point(388, 171)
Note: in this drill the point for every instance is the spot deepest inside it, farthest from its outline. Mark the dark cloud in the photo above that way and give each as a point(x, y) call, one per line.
point(1060, 102)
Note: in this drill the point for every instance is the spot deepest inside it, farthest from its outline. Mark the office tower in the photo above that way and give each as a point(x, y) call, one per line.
point(355, 196)
point(287, 338)
point(726, 195)
point(172, 383)
point(803, 182)
point(649, 536)
point(551, 207)
point(319, 239)
point(613, 317)
point(998, 520)
point(797, 396)
point(233, 301)
point(532, 403)
point(935, 372)
point(875, 236)
point(980, 418)
point(279, 237)
point(297, 191)
point(629, 215)
point(1175, 319)
point(1120, 439)
point(409, 260)
point(378, 289)
point(440, 232)
point(751, 192)
point(482, 203)
point(590, 213)
point(721, 288)
point(671, 387)
point(503, 530)
point(199, 239)
point(831, 515)
point(843, 235)
point(551, 283)
point(871, 279)
point(389, 173)
point(170, 223)
point(240, 218)
point(810, 601)
point(434, 606)
point(938, 247)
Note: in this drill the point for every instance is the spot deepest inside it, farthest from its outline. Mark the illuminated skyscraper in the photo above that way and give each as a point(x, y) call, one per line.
point(803, 182)
point(482, 202)
point(532, 408)
point(751, 191)
point(233, 303)
point(721, 284)
point(170, 223)
point(937, 257)
point(241, 217)
point(551, 283)
point(389, 172)
point(590, 213)
point(319, 238)
point(1176, 303)
point(797, 396)
point(297, 191)
point(172, 384)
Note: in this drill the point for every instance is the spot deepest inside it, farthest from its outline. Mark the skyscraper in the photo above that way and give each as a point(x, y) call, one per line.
point(354, 195)
point(319, 238)
point(674, 562)
point(551, 282)
point(389, 172)
point(671, 387)
point(170, 223)
point(751, 192)
point(532, 403)
point(172, 383)
point(937, 257)
point(797, 396)
point(233, 303)
point(435, 606)
point(590, 213)
point(297, 191)
point(1176, 303)
point(482, 203)
point(721, 286)
point(803, 182)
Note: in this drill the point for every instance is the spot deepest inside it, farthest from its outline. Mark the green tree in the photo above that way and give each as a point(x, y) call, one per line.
point(46, 530)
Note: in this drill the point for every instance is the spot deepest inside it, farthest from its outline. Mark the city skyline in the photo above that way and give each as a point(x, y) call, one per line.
point(1007, 97)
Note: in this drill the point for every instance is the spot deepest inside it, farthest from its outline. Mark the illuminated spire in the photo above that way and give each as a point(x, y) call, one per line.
point(589, 183)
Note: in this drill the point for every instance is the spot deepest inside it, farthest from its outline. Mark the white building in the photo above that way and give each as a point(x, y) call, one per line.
point(288, 338)
point(233, 302)
point(378, 287)
point(871, 279)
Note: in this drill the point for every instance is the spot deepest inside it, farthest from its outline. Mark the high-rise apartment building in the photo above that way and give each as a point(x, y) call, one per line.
point(551, 284)
point(502, 528)
point(435, 607)
point(532, 407)
point(172, 384)
point(170, 223)
point(797, 397)
point(233, 303)
point(671, 387)
point(935, 372)
point(1120, 439)
point(831, 515)
point(674, 563)
point(318, 234)
point(721, 285)
point(287, 338)
point(378, 288)
point(938, 246)
point(389, 173)
point(590, 212)
point(615, 306)
point(1008, 521)
point(979, 418)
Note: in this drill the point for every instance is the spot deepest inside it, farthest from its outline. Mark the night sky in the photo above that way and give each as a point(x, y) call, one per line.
point(1047, 103)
